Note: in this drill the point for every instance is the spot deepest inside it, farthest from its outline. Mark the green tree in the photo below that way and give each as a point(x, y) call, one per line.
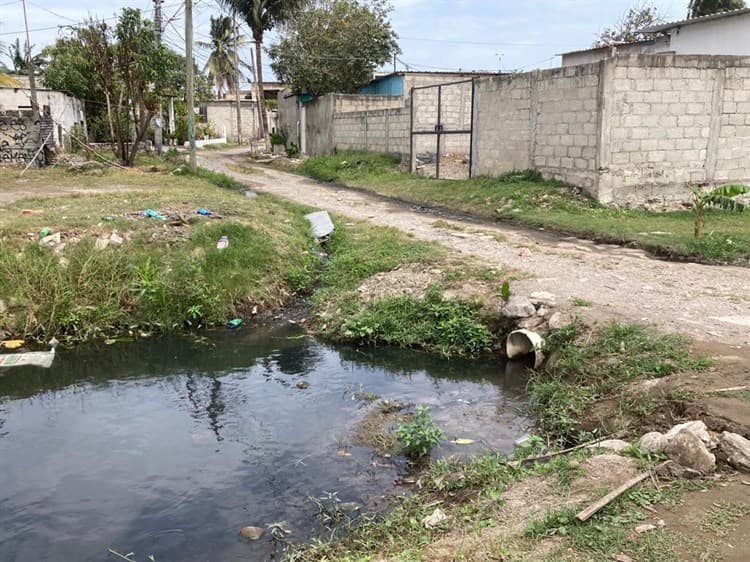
point(334, 46)
point(220, 64)
point(17, 58)
point(626, 30)
point(262, 16)
point(722, 197)
point(698, 8)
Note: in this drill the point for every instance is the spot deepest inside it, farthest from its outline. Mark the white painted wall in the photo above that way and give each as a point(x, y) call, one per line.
point(724, 36)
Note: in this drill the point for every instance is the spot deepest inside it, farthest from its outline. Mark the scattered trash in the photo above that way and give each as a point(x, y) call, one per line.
point(204, 212)
point(12, 344)
point(110, 342)
point(116, 239)
point(42, 359)
point(51, 239)
point(234, 323)
point(107, 219)
point(303, 385)
point(323, 256)
point(437, 517)
point(251, 194)
point(32, 212)
point(462, 441)
point(343, 453)
point(223, 243)
point(322, 225)
point(101, 243)
point(46, 231)
point(150, 213)
point(524, 253)
point(252, 533)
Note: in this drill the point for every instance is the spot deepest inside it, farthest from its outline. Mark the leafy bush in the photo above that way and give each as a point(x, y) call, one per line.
point(419, 436)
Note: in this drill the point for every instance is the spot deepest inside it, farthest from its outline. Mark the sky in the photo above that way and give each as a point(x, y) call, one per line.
point(433, 34)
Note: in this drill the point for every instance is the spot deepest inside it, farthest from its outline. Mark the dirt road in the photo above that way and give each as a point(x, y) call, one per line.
point(708, 303)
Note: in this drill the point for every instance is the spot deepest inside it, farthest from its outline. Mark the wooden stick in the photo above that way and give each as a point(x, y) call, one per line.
point(547, 456)
point(617, 492)
point(730, 389)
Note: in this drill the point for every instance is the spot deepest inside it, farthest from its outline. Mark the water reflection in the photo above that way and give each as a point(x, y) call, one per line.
point(168, 447)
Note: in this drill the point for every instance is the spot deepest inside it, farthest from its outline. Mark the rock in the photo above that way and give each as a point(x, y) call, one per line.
point(532, 323)
point(623, 558)
point(559, 320)
point(653, 442)
point(736, 449)
point(51, 239)
point(252, 533)
point(303, 385)
point(614, 445)
point(518, 307)
point(688, 450)
point(697, 428)
point(542, 298)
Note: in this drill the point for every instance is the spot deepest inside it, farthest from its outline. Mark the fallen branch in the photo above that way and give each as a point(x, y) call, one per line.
point(613, 495)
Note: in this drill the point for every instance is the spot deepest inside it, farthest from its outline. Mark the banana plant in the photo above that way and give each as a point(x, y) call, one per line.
point(722, 197)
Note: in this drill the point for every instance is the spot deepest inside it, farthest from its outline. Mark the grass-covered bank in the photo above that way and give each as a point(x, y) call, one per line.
point(526, 199)
point(110, 269)
point(492, 508)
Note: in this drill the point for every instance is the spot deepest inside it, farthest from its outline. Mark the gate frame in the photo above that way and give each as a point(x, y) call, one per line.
point(439, 130)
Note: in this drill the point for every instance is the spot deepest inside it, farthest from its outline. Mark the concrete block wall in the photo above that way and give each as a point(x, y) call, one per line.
point(671, 121)
point(546, 120)
point(384, 130)
point(222, 115)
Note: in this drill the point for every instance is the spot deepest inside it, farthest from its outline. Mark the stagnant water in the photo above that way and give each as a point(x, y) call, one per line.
point(169, 447)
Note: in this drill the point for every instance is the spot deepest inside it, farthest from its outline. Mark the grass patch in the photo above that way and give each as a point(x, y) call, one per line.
point(584, 368)
point(526, 198)
point(166, 275)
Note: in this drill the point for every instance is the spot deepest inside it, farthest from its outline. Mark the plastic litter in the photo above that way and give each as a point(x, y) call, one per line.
point(204, 212)
point(322, 225)
point(42, 359)
point(46, 231)
point(223, 243)
point(234, 323)
point(150, 213)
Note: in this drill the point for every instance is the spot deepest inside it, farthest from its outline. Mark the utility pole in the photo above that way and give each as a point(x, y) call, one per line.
point(237, 77)
point(190, 82)
point(30, 63)
point(159, 124)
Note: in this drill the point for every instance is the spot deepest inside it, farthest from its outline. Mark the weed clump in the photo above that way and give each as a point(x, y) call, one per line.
point(420, 435)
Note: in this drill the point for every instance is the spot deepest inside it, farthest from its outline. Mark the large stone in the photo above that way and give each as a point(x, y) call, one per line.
point(688, 450)
point(614, 445)
point(559, 320)
point(736, 449)
point(653, 442)
point(697, 428)
point(518, 307)
point(542, 298)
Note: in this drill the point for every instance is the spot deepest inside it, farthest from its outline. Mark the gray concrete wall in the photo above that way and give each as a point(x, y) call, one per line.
point(19, 137)
point(289, 116)
point(383, 130)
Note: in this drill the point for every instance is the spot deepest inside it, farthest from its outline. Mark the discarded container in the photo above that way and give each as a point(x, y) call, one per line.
point(525, 342)
point(322, 225)
point(150, 213)
point(42, 359)
point(46, 231)
point(234, 323)
point(204, 212)
point(223, 243)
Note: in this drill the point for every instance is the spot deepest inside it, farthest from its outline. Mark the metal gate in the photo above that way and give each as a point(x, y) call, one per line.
point(442, 128)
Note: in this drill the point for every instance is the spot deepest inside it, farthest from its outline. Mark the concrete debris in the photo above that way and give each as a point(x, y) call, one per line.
point(518, 307)
point(653, 442)
point(736, 449)
point(688, 450)
point(614, 445)
point(433, 520)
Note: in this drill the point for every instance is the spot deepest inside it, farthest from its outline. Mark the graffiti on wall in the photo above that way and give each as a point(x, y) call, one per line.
point(19, 138)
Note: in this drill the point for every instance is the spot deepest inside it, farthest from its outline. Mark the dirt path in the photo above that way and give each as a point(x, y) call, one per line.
point(708, 303)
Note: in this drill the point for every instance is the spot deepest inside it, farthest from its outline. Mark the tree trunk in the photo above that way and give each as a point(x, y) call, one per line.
point(259, 81)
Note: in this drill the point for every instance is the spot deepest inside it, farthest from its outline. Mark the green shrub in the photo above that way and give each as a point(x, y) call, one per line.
point(420, 435)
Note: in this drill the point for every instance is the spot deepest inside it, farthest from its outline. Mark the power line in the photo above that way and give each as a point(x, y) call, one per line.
point(484, 43)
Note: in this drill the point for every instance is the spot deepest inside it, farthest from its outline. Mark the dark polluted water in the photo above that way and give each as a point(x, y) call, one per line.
point(168, 447)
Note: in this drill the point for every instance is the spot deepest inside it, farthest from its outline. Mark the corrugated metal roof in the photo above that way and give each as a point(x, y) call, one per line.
point(671, 25)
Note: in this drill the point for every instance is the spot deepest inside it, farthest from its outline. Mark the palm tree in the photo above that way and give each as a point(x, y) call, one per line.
point(261, 16)
point(19, 61)
point(220, 63)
